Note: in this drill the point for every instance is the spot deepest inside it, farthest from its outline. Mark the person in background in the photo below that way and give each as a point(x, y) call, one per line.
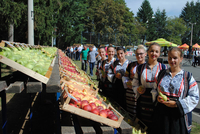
point(94, 48)
point(115, 73)
point(102, 54)
point(185, 53)
point(174, 116)
point(131, 101)
point(107, 89)
point(68, 51)
point(91, 58)
point(195, 59)
point(188, 53)
point(144, 85)
point(74, 52)
point(79, 52)
point(71, 52)
point(83, 58)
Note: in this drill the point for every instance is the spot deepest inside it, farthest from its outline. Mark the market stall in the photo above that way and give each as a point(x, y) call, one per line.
point(59, 77)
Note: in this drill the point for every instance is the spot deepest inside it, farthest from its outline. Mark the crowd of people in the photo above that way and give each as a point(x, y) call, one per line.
point(135, 87)
point(195, 56)
point(87, 55)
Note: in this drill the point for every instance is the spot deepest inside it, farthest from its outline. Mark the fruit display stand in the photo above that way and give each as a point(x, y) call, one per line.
point(67, 107)
point(66, 122)
point(28, 81)
point(76, 120)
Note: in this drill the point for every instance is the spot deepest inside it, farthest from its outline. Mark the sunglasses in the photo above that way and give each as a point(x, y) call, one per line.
point(137, 54)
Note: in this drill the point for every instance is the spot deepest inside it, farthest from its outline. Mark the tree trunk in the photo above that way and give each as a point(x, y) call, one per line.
point(11, 32)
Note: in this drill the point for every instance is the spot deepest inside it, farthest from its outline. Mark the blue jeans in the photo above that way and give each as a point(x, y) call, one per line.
point(91, 64)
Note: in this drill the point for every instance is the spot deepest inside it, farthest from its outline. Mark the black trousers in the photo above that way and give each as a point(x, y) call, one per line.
point(195, 60)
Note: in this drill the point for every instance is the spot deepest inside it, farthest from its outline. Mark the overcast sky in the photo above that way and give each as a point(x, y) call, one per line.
point(172, 7)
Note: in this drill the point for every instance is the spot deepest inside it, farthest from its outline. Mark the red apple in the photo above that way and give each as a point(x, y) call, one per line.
point(100, 108)
point(113, 117)
point(93, 105)
point(84, 102)
point(95, 111)
point(78, 98)
point(103, 113)
point(110, 112)
point(72, 104)
point(87, 108)
point(98, 101)
point(78, 103)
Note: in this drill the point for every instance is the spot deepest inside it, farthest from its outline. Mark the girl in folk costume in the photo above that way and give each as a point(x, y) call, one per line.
point(174, 114)
point(102, 53)
point(107, 85)
point(144, 85)
point(131, 101)
point(116, 72)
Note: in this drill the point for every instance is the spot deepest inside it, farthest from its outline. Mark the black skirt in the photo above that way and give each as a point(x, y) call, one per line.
point(145, 108)
point(120, 91)
point(107, 89)
point(131, 102)
point(168, 120)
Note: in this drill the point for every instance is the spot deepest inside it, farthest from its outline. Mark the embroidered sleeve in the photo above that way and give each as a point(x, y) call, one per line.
point(190, 102)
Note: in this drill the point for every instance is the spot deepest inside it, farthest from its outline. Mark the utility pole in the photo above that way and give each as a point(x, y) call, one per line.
point(191, 36)
point(30, 23)
point(11, 30)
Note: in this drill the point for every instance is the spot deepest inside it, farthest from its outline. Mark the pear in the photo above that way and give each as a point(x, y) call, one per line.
point(30, 65)
point(3, 53)
point(163, 96)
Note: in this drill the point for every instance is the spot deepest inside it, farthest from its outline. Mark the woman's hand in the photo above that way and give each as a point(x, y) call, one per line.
point(118, 75)
point(104, 75)
point(168, 103)
point(129, 84)
point(141, 89)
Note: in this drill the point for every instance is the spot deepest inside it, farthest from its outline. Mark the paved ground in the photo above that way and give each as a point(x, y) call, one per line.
point(196, 74)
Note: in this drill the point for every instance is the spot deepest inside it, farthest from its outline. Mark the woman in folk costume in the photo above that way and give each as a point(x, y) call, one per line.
point(178, 96)
point(102, 53)
point(116, 72)
point(144, 85)
point(107, 89)
point(131, 101)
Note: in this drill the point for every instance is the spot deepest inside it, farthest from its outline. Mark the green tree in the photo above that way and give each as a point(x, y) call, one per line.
point(190, 14)
point(11, 12)
point(160, 23)
point(110, 18)
point(145, 12)
point(44, 20)
point(70, 22)
point(175, 28)
point(144, 16)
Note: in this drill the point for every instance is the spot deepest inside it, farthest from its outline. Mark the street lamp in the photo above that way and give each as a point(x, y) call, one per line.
point(191, 35)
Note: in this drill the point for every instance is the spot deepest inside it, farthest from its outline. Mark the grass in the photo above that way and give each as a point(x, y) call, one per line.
point(195, 126)
point(94, 78)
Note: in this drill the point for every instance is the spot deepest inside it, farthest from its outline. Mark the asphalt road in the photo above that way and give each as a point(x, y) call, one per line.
point(196, 74)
